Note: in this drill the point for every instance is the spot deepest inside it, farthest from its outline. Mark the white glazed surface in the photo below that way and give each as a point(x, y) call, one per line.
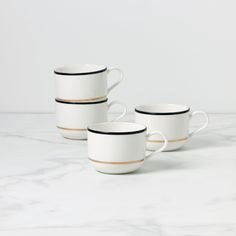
point(72, 120)
point(48, 186)
point(117, 148)
point(79, 116)
point(81, 87)
point(176, 127)
point(76, 116)
point(84, 87)
point(117, 168)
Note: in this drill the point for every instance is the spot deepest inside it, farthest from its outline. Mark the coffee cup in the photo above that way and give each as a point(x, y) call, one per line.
point(172, 120)
point(119, 147)
point(84, 83)
point(73, 118)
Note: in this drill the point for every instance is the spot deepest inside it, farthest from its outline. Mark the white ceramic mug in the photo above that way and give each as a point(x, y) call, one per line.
point(83, 83)
point(74, 118)
point(172, 120)
point(119, 147)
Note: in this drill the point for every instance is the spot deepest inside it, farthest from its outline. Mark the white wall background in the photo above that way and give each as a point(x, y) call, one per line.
point(171, 51)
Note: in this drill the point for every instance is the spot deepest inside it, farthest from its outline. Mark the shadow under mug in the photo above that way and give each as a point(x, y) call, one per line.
point(119, 147)
point(72, 119)
point(172, 120)
point(84, 83)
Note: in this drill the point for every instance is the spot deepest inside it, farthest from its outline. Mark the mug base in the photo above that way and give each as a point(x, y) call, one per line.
point(171, 146)
point(73, 134)
point(116, 169)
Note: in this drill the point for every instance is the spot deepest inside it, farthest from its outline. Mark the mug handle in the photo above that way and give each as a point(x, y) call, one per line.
point(161, 148)
point(203, 126)
point(122, 105)
point(117, 82)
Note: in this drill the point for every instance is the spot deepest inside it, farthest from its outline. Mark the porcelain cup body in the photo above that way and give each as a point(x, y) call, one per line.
point(170, 119)
point(72, 119)
point(84, 83)
point(118, 147)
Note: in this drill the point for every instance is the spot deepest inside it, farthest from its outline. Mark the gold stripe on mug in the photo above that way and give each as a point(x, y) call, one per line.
point(116, 163)
point(169, 141)
point(71, 129)
point(81, 100)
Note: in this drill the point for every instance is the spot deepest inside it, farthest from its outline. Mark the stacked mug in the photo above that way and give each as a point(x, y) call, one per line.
point(116, 147)
point(81, 98)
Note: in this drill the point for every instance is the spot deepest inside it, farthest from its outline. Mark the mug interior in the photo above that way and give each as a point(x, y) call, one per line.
point(162, 109)
point(80, 69)
point(116, 128)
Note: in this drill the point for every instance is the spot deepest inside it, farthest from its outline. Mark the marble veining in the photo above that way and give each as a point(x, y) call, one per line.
point(47, 185)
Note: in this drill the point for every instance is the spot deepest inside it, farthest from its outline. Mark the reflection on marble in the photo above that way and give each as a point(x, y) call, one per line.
point(47, 185)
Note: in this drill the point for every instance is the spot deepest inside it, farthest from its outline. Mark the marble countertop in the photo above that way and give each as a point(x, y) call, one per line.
point(47, 185)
